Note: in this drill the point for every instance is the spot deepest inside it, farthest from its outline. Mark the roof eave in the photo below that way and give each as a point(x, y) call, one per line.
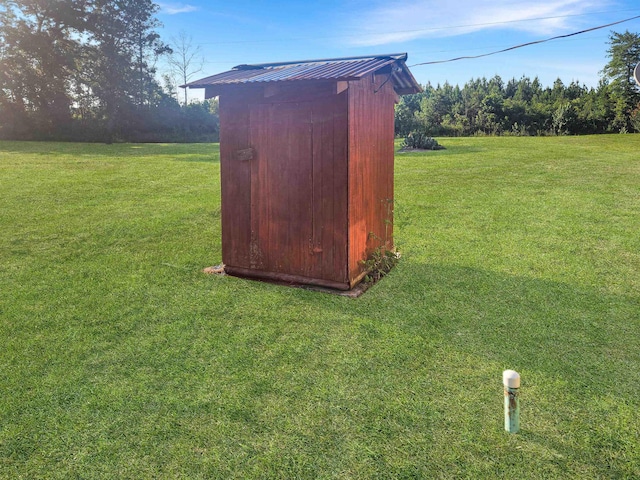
point(395, 56)
point(248, 75)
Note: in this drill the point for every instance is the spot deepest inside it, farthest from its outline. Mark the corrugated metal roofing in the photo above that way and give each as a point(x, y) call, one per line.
point(337, 69)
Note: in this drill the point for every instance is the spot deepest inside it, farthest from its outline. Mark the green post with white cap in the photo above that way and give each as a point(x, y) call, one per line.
point(511, 382)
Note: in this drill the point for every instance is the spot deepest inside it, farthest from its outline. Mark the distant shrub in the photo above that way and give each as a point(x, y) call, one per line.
point(422, 141)
point(635, 118)
point(165, 122)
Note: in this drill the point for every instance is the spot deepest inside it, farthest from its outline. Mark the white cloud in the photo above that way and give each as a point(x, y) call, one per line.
point(176, 8)
point(413, 19)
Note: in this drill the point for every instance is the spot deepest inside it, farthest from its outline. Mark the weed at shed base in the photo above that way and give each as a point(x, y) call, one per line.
point(379, 263)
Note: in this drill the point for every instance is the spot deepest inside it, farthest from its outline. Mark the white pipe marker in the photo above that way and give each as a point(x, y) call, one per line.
point(511, 382)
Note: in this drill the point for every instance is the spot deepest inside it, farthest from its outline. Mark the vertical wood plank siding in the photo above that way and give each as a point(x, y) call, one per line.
point(235, 178)
point(282, 187)
point(371, 135)
point(330, 173)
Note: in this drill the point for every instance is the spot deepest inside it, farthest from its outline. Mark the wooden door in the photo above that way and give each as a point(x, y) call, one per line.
point(298, 209)
point(281, 186)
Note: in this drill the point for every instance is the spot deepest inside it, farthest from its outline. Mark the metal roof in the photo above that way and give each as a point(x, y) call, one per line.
point(336, 69)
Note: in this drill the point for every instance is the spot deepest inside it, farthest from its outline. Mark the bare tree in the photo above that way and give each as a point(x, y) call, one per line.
point(186, 59)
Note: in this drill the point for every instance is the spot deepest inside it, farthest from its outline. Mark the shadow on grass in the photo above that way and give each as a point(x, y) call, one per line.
point(440, 335)
point(580, 334)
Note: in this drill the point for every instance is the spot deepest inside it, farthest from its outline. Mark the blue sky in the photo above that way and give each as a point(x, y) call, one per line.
point(242, 31)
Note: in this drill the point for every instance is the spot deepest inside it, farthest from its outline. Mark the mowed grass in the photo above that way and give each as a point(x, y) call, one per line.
point(119, 358)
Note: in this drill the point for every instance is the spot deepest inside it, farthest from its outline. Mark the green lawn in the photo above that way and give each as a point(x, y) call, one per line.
point(120, 359)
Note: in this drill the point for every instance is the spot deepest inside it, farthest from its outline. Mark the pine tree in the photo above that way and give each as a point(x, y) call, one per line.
point(122, 51)
point(624, 55)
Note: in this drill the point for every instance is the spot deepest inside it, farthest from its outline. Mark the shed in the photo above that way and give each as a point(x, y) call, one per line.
point(306, 160)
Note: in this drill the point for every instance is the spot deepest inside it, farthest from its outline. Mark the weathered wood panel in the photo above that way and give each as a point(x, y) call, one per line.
point(330, 173)
point(281, 187)
point(235, 176)
point(299, 189)
point(370, 169)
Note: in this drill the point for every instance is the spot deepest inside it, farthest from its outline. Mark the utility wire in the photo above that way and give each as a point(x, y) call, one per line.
point(526, 44)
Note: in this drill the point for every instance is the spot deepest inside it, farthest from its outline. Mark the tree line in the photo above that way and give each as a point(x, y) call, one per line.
point(525, 107)
point(86, 70)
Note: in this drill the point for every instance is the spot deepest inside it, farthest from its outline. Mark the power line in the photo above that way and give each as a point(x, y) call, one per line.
point(470, 57)
point(484, 47)
point(503, 22)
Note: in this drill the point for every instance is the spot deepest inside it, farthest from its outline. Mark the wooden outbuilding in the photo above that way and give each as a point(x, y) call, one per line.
point(306, 160)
